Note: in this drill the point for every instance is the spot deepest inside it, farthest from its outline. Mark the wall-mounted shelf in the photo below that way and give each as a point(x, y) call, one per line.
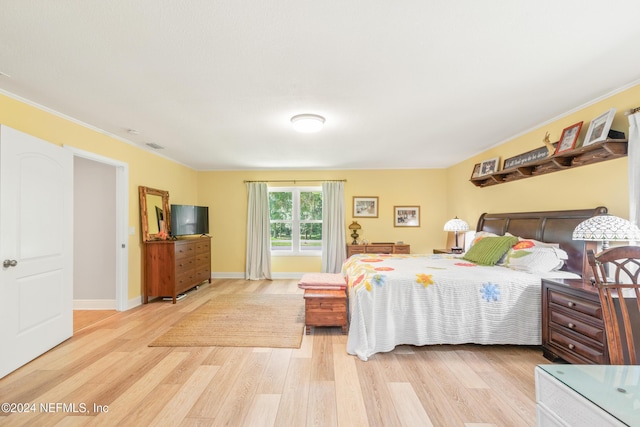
point(594, 153)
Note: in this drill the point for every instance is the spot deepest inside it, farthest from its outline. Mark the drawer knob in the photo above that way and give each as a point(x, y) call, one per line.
point(571, 325)
point(571, 304)
point(571, 346)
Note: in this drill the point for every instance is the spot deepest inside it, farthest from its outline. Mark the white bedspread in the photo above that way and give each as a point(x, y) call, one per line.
point(438, 299)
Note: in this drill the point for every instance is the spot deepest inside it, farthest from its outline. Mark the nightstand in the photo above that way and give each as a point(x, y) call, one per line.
point(442, 251)
point(572, 324)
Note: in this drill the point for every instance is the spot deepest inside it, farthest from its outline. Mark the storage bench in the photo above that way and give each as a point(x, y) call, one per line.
point(325, 307)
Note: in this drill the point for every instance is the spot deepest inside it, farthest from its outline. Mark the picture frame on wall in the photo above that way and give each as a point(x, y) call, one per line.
point(365, 207)
point(489, 166)
point(406, 216)
point(569, 138)
point(476, 171)
point(599, 128)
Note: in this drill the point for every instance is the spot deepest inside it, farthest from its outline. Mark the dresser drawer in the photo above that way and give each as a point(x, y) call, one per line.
point(203, 246)
point(356, 249)
point(379, 249)
point(186, 280)
point(203, 260)
point(401, 249)
point(184, 249)
point(185, 264)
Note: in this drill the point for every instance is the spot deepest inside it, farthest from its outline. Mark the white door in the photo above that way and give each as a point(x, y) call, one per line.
point(36, 247)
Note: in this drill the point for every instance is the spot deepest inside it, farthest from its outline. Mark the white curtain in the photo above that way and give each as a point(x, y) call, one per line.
point(634, 168)
point(258, 233)
point(333, 227)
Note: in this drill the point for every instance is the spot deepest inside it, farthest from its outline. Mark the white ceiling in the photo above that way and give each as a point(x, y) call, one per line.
point(409, 84)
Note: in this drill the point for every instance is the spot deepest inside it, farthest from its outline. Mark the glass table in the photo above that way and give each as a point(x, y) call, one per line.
point(613, 389)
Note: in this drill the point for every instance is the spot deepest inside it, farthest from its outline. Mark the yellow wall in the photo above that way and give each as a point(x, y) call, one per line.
point(601, 184)
point(225, 193)
point(441, 193)
point(145, 168)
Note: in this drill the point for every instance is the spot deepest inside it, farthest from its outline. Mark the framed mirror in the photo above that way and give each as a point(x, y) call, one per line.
point(154, 213)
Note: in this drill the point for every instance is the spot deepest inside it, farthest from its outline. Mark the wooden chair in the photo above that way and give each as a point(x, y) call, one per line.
point(620, 320)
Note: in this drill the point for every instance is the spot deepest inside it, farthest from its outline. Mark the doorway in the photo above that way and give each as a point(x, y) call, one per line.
point(101, 250)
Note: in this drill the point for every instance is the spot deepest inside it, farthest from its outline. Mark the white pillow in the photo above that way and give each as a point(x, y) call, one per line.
point(535, 257)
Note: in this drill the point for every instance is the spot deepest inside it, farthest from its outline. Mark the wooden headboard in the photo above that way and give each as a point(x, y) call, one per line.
point(550, 227)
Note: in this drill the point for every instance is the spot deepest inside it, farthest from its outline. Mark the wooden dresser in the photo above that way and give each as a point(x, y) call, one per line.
point(572, 325)
point(172, 267)
point(378, 248)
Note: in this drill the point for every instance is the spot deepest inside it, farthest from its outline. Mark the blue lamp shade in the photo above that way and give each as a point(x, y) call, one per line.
point(606, 228)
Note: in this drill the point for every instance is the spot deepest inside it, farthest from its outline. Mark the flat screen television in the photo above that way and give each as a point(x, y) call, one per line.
point(189, 219)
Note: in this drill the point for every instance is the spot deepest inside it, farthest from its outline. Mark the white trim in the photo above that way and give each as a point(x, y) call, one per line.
point(238, 275)
point(88, 126)
point(122, 226)
point(554, 119)
point(135, 302)
point(94, 304)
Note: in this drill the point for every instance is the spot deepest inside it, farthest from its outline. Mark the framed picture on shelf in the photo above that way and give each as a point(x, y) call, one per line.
point(599, 128)
point(476, 171)
point(489, 166)
point(406, 216)
point(569, 138)
point(365, 207)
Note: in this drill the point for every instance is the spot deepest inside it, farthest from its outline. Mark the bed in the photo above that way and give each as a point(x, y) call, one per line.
point(409, 299)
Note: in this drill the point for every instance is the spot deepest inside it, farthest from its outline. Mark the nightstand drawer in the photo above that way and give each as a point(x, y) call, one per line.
point(572, 302)
point(587, 353)
point(564, 320)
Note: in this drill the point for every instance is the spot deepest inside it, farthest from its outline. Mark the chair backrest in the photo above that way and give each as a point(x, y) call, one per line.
point(616, 272)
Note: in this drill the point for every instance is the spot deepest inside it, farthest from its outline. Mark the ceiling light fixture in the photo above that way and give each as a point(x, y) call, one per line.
point(307, 123)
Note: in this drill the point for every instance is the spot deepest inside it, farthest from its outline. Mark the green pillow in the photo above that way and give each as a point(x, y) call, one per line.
point(489, 250)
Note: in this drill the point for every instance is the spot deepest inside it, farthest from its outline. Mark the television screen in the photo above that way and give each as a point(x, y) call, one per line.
point(188, 219)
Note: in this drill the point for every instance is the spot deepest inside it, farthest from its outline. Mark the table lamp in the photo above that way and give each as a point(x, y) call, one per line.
point(456, 225)
point(354, 227)
point(606, 228)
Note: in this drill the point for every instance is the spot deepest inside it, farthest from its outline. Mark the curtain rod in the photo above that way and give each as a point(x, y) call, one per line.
point(632, 111)
point(297, 180)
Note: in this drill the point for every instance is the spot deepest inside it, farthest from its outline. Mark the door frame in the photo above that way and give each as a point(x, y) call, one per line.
point(122, 223)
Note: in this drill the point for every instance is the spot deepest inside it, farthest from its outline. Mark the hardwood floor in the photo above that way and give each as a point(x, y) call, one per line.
point(84, 318)
point(109, 376)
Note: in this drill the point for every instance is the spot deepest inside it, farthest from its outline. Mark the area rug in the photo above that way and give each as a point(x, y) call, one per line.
point(240, 320)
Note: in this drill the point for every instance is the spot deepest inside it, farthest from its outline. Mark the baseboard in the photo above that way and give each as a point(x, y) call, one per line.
point(236, 275)
point(94, 304)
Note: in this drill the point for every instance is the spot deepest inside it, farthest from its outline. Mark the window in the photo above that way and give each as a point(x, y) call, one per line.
point(296, 220)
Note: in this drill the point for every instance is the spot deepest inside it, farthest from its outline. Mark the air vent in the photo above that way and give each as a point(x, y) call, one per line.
point(155, 146)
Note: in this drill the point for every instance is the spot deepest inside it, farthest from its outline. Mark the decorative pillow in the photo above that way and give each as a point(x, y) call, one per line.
point(533, 256)
point(481, 235)
point(489, 250)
